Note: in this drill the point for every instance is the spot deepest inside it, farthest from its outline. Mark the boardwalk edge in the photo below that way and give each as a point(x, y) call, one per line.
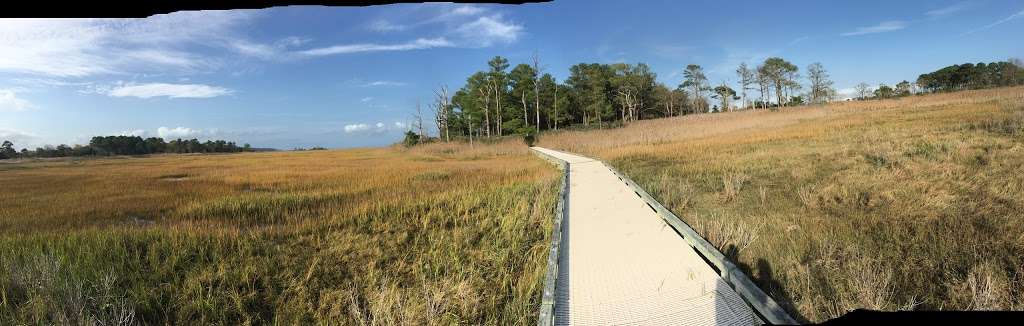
point(546, 315)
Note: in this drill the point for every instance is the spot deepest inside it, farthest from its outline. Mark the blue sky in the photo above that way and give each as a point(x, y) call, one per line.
point(345, 77)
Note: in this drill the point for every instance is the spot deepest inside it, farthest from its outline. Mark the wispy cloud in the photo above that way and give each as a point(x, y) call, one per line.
point(798, 40)
point(366, 99)
point(20, 139)
point(1019, 14)
point(418, 44)
point(168, 90)
point(171, 44)
point(9, 101)
point(446, 13)
point(466, 10)
point(381, 25)
point(461, 25)
point(86, 47)
point(948, 10)
point(883, 27)
point(382, 83)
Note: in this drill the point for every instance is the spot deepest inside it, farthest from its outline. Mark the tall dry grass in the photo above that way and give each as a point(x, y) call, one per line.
point(912, 203)
point(441, 234)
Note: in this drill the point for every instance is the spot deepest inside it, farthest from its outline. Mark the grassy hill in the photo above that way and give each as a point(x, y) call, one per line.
point(912, 203)
point(441, 234)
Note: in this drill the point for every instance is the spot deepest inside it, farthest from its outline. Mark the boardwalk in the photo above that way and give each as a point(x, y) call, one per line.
point(620, 263)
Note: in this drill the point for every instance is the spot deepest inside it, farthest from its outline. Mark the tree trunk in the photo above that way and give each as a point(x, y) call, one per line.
point(556, 105)
point(536, 87)
point(487, 110)
point(537, 111)
point(778, 92)
point(526, 112)
point(497, 107)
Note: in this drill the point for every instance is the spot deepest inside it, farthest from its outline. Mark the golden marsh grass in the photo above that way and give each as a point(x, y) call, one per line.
point(439, 234)
point(911, 203)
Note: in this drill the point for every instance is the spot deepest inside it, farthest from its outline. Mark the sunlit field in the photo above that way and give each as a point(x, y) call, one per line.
point(912, 203)
point(437, 234)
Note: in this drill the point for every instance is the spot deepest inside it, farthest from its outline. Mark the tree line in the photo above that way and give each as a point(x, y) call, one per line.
point(503, 99)
point(974, 76)
point(125, 145)
point(499, 101)
point(950, 78)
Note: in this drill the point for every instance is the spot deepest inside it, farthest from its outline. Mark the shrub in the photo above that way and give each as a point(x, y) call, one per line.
point(411, 139)
point(530, 138)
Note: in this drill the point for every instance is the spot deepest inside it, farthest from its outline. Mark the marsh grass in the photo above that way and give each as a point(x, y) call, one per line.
point(913, 203)
point(441, 234)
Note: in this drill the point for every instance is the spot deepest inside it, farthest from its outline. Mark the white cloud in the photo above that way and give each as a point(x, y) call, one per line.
point(85, 47)
point(846, 93)
point(136, 132)
point(169, 44)
point(366, 128)
point(466, 10)
point(1019, 14)
point(366, 99)
point(883, 27)
point(168, 90)
point(418, 44)
point(9, 101)
point(462, 26)
point(487, 30)
point(356, 128)
point(177, 132)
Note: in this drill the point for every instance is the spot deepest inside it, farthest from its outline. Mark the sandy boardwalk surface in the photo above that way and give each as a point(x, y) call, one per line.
point(620, 263)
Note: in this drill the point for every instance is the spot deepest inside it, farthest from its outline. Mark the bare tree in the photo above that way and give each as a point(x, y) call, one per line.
point(820, 84)
point(442, 112)
point(628, 99)
point(419, 120)
point(746, 79)
point(863, 90)
point(526, 111)
point(485, 93)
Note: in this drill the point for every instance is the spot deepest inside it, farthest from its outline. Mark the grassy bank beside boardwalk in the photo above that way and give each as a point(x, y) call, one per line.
point(437, 234)
point(911, 203)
